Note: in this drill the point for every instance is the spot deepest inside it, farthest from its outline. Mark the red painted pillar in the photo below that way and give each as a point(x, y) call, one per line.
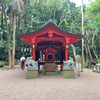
point(66, 52)
point(33, 48)
point(66, 47)
point(33, 52)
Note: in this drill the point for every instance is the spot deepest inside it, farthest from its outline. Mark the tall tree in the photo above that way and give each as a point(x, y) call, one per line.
point(5, 28)
point(82, 34)
point(18, 7)
point(92, 28)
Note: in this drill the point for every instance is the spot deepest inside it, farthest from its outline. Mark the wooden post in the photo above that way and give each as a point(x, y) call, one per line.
point(66, 52)
point(67, 40)
point(33, 52)
point(33, 48)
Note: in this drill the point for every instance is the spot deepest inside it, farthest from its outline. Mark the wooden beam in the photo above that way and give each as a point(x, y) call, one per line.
point(39, 39)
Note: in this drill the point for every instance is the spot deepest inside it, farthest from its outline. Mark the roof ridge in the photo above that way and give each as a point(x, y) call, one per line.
point(50, 21)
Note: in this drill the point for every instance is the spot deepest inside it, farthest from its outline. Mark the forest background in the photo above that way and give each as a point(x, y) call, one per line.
point(23, 16)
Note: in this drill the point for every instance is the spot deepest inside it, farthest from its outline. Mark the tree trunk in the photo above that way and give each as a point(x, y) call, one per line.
point(9, 52)
point(82, 34)
point(13, 47)
point(86, 49)
point(9, 48)
point(74, 51)
point(95, 54)
point(93, 46)
point(8, 37)
point(90, 53)
point(2, 17)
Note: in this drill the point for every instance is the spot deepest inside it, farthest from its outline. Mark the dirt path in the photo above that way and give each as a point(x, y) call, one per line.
point(15, 86)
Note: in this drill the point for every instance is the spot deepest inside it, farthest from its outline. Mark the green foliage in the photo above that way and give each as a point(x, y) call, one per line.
point(92, 23)
point(87, 63)
point(99, 60)
point(1, 33)
point(2, 44)
point(65, 14)
point(78, 50)
point(2, 63)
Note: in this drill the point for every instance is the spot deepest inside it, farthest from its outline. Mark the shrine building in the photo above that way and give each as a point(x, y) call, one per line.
point(50, 43)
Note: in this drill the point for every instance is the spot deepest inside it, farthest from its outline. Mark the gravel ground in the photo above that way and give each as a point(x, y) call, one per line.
point(15, 86)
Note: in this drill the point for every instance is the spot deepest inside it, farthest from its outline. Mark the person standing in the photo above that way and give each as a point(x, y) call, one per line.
point(22, 60)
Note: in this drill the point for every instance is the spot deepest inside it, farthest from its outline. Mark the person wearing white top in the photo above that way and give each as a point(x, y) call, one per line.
point(22, 60)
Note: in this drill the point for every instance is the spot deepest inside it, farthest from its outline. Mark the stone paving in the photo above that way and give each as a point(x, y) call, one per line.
point(15, 86)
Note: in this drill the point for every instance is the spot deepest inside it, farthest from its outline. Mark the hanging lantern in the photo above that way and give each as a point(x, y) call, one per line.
point(33, 46)
point(66, 46)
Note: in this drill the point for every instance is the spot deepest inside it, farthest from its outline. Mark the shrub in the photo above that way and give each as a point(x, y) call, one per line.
point(1, 63)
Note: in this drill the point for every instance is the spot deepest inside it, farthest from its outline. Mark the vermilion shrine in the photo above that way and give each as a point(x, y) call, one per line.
point(50, 43)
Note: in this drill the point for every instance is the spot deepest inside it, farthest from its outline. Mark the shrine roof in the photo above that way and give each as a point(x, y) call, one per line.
point(50, 20)
point(47, 26)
